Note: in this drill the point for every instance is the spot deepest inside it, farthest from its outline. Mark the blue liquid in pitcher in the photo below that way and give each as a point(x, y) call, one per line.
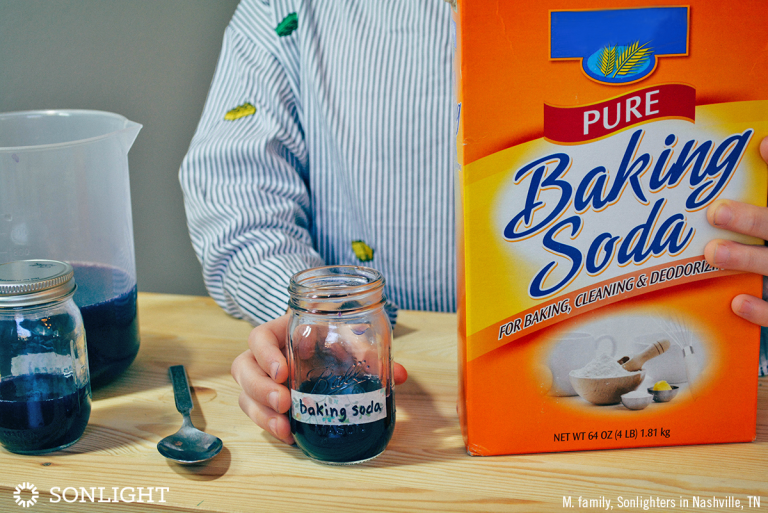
point(107, 300)
point(348, 443)
point(37, 416)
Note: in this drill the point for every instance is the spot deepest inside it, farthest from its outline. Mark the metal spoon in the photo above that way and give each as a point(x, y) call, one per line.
point(188, 444)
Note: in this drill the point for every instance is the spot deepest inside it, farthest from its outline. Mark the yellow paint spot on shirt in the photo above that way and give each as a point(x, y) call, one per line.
point(241, 111)
point(363, 251)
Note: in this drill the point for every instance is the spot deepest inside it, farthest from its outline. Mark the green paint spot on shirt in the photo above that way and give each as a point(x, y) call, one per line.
point(363, 251)
point(241, 111)
point(288, 25)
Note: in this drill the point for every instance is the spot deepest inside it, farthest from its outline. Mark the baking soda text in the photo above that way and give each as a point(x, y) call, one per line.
point(666, 230)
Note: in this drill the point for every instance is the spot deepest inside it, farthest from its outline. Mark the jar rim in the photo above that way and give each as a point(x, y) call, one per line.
point(336, 288)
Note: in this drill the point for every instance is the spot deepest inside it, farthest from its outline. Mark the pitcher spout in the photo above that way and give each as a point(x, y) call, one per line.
point(128, 133)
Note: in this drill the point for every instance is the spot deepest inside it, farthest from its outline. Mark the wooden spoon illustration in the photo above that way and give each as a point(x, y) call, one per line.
point(636, 362)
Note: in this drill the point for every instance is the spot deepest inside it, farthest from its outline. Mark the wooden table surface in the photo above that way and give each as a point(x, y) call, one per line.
point(425, 467)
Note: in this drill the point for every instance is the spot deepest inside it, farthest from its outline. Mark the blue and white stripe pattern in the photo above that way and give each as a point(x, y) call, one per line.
point(351, 140)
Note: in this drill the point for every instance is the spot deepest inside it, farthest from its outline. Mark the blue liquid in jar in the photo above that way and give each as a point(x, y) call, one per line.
point(107, 300)
point(42, 412)
point(349, 443)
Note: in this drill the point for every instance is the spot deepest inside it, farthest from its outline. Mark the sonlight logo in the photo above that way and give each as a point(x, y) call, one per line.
point(27, 495)
point(18, 495)
point(619, 46)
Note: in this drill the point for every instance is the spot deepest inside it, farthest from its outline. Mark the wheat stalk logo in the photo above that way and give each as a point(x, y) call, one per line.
point(25, 503)
point(632, 59)
point(619, 61)
point(607, 60)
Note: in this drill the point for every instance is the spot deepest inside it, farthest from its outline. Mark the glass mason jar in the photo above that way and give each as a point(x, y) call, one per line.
point(339, 356)
point(45, 392)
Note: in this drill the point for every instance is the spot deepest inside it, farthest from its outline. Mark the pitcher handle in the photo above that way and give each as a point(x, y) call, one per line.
point(614, 346)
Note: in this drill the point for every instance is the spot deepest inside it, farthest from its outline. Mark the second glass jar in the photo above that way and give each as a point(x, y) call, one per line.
point(339, 355)
point(45, 392)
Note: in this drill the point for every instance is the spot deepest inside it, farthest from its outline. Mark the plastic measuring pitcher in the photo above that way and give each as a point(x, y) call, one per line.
point(65, 195)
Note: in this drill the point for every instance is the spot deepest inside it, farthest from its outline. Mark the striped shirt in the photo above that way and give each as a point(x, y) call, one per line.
point(343, 134)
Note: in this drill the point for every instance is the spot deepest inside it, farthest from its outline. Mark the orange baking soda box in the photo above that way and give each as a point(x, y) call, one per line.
point(591, 138)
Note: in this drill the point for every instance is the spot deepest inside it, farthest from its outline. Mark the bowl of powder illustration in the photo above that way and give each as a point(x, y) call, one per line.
point(604, 380)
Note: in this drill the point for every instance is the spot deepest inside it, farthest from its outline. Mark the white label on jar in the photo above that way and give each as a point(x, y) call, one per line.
point(41, 363)
point(338, 410)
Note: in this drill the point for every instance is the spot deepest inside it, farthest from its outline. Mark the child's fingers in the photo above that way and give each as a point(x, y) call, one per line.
point(305, 338)
point(751, 308)
point(258, 385)
point(266, 342)
point(727, 254)
point(739, 217)
point(400, 374)
point(266, 418)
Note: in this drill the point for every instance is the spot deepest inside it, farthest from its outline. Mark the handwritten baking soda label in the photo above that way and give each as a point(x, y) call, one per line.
point(590, 143)
point(337, 410)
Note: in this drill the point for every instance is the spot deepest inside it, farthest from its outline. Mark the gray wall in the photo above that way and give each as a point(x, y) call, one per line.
point(149, 60)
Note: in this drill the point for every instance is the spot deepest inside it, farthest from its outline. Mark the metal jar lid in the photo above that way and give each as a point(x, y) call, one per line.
point(34, 282)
